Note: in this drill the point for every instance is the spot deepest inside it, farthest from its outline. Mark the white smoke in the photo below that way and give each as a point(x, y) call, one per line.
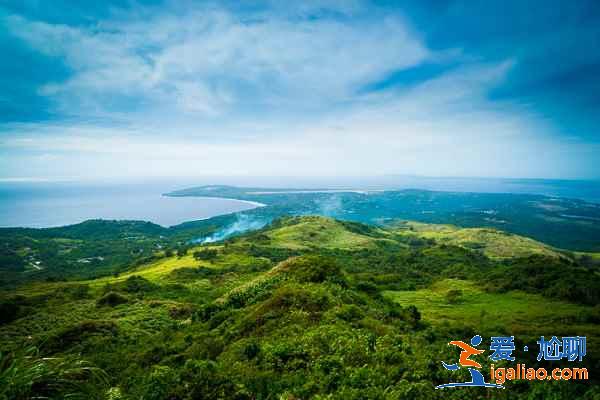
point(242, 224)
point(329, 206)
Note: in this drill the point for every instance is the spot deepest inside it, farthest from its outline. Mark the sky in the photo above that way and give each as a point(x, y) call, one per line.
point(126, 89)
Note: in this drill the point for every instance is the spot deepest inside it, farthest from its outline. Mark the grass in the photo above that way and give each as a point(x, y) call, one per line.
point(593, 256)
point(513, 313)
point(20, 373)
point(318, 232)
point(242, 260)
point(154, 271)
point(493, 243)
point(138, 318)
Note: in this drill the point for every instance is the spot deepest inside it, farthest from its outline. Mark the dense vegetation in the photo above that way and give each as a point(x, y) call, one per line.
point(98, 248)
point(92, 248)
point(306, 307)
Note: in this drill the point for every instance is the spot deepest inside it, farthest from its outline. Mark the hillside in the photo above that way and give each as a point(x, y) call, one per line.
point(313, 232)
point(92, 248)
point(306, 307)
point(493, 243)
point(560, 222)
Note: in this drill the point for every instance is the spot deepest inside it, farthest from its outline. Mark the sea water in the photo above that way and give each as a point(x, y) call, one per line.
point(41, 205)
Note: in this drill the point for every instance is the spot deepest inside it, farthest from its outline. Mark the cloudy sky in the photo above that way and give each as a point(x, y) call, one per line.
point(136, 89)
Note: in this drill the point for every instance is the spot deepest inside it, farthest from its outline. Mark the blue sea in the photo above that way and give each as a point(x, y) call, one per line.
point(49, 204)
point(42, 205)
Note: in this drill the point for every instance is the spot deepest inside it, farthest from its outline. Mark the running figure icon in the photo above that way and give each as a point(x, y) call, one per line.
point(477, 378)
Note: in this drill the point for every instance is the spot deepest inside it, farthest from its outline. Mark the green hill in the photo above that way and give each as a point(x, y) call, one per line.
point(493, 243)
point(314, 232)
point(307, 307)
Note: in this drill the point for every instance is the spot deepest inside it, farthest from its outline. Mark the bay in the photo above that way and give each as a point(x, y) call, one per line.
point(42, 205)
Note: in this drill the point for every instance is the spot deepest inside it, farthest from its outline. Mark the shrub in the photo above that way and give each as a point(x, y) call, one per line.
point(181, 311)
point(454, 296)
point(78, 292)
point(9, 311)
point(136, 284)
point(350, 313)
point(133, 284)
point(205, 381)
point(160, 383)
point(205, 346)
point(594, 314)
point(367, 287)
point(144, 260)
point(206, 312)
point(66, 337)
point(251, 350)
point(414, 315)
point(315, 269)
point(111, 299)
point(114, 393)
point(293, 297)
point(206, 254)
point(252, 292)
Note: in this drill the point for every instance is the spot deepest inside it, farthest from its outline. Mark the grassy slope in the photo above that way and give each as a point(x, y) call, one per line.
point(493, 243)
point(315, 232)
point(513, 312)
point(299, 234)
point(153, 271)
point(156, 271)
point(318, 232)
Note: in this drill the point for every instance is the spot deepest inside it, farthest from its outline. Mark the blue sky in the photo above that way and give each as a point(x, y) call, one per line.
point(123, 89)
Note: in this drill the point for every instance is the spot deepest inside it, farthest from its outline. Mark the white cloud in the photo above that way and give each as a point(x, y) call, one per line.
point(210, 61)
point(207, 92)
point(444, 126)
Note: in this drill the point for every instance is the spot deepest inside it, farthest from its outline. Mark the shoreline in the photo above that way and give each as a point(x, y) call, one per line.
point(254, 203)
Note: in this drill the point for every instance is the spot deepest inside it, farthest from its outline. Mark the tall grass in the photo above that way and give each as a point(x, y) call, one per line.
point(26, 375)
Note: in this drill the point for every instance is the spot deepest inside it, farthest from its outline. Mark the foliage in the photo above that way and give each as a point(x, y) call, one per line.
point(453, 296)
point(206, 254)
point(111, 299)
point(9, 310)
point(365, 313)
point(26, 375)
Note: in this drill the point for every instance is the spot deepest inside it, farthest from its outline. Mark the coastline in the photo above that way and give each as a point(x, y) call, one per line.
point(253, 203)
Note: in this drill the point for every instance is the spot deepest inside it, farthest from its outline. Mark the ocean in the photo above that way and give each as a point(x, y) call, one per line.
point(49, 204)
point(42, 205)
